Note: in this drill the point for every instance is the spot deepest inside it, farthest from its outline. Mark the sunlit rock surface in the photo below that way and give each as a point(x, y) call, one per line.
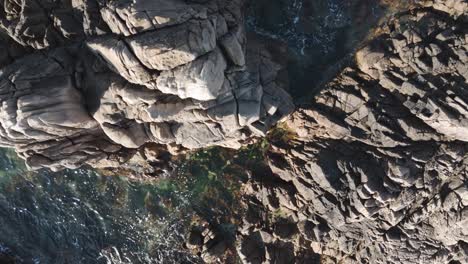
point(87, 82)
point(375, 168)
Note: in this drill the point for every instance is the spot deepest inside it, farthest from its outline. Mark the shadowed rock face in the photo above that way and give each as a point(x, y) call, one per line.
point(89, 82)
point(377, 169)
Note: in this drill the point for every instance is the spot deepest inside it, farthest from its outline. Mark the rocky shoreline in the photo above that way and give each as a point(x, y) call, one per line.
point(376, 170)
point(372, 170)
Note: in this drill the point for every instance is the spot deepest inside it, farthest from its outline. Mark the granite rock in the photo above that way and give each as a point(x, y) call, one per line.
point(92, 82)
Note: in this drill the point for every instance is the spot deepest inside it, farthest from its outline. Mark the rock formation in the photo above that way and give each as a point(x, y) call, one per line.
point(376, 171)
point(91, 82)
point(375, 168)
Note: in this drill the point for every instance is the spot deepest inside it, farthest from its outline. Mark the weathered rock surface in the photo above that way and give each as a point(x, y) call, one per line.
point(207, 242)
point(91, 82)
point(376, 171)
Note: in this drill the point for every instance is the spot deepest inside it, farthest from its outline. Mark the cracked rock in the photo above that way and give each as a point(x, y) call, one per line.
point(376, 170)
point(91, 82)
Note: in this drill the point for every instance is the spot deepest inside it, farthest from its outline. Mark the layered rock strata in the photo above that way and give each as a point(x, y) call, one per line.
point(91, 82)
point(375, 170)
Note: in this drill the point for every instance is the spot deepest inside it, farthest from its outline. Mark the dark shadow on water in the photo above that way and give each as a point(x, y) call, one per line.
point(322, 35)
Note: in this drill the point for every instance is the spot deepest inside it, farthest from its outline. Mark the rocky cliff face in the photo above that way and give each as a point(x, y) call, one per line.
point(90, 82)
point(375, 170)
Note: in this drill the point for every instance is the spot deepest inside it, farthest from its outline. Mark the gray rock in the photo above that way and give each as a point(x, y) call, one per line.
point(114, 76)
point(168, 48)
point(201, 79)
point(132, 17)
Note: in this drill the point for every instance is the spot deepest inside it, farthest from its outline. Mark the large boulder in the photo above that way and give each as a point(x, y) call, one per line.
point(91, 82)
